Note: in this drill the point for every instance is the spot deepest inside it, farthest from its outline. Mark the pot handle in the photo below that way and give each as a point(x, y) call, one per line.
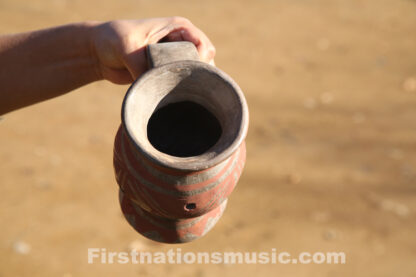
point(167, 52)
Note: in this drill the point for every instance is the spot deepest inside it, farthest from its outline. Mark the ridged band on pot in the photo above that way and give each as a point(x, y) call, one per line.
point(169, 194)
point(167, 230)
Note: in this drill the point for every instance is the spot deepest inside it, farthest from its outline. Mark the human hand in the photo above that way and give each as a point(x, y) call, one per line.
point(119, 46)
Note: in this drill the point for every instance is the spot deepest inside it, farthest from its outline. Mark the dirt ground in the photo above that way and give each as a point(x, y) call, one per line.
point(331, 162)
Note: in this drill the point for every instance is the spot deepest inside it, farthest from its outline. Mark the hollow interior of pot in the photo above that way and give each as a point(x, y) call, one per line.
point(183, 129)
point(187, 113)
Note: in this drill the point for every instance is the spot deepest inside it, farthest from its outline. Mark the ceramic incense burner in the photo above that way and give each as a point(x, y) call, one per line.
point(180, 149)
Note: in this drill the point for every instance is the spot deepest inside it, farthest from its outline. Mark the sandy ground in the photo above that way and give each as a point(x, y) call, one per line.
point(331, 162)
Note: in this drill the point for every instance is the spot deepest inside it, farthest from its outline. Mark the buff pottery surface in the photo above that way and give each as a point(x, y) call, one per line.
point(176, 198)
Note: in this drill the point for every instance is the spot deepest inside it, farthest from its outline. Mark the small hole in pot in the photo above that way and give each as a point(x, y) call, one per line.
point(190, 206)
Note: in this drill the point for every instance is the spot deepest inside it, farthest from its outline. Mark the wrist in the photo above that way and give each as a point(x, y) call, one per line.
point(91, 27)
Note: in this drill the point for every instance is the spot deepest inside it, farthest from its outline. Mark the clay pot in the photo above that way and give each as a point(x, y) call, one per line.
point(173, 182)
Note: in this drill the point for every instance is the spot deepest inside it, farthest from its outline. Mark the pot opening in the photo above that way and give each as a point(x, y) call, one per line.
point(183, 129)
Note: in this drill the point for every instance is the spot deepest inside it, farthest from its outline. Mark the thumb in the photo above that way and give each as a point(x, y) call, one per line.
point(136, 62)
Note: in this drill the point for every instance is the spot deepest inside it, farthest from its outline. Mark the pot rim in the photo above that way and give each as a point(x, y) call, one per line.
point(194, 163)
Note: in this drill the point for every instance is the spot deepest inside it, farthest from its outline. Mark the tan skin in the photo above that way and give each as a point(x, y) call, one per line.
point(39, 65)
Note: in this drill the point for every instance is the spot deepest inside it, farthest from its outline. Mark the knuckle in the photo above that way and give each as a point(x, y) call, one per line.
point(211, 52)
point(180, 19)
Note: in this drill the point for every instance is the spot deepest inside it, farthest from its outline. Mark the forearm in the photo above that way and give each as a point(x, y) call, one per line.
point(40, 65)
